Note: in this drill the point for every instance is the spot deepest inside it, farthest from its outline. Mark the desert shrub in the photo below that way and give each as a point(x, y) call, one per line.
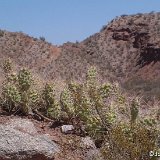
point(124, 15)
point(148, 88)
point(133, 139)
point(85, 102)
point(77, 103)
point(52, 107)
point(10, 97)
point(103, 28)
point(17, 91)
point(29, 96)
point(42, 38)
point(1, 33)
point(126, 142)
point(110, 119)
point(101, 111)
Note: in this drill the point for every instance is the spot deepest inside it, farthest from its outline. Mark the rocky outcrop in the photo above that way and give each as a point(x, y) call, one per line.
point(19, 140)
point(149, 55)
point(122, 33)
point(121, 36)
point(140, 39)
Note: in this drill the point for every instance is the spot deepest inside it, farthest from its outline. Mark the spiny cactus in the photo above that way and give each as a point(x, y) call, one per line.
point(129, 143)
point(67, 103)
point(7, 66)
point(10, 97)
point(98, 107)
point(134, 110)
point(53, 108)
point(17, 92)
point(95, 106)
point(25, 79)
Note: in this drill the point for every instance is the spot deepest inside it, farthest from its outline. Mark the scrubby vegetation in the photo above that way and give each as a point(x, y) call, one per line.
point(101, 111)
point(17, 92)
point(118, 52)
point(42, 38)
point(147, 87)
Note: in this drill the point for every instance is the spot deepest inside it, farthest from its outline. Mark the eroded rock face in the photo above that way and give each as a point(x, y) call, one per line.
point(150, 54)
point(121, 36)
point(19, 140)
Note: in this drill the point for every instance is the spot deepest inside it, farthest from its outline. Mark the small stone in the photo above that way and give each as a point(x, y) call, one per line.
point(67, 128)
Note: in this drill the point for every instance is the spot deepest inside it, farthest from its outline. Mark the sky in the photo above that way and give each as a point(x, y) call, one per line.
point(60, 21)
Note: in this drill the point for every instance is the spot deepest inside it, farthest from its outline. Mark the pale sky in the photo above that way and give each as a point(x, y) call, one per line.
point(60, 21)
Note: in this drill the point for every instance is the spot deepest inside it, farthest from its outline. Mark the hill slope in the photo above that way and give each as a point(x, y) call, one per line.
point(126, 50)
point(26, 51)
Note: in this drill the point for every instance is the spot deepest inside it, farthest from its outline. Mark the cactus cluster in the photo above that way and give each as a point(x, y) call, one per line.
point(52, 106)
point(102, 111)
point(17, 91)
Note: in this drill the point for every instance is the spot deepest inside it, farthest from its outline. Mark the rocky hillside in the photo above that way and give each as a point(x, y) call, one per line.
point(26, 51)
point(126, 50)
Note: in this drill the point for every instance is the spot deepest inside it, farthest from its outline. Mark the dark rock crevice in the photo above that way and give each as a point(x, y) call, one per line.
point(149, 55)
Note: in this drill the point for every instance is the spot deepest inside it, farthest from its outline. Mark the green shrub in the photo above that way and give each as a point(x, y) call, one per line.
point(53, 109)
point(126, 142)
point(1, 33)
point(85, 102)
point(17, 91)
point(42, 39)
point(101, 111)
point(11, 97)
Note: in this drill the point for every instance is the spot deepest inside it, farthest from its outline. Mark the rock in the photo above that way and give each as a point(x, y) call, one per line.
point(125, 36)
point(24, 125)
point(67, 128)
point(88, 142)
point(19, 140)
point(91, 152)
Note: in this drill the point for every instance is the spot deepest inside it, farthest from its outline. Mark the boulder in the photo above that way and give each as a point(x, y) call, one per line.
point(88, 142)
point(91, 152)
point(19, 140)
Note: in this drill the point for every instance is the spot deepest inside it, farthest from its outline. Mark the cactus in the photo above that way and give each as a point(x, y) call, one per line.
point(25, 80)
point(134, 110)
point(11, 97)
point(17, 92)
point(92, 105)
point(7, 66)
point(53, 108)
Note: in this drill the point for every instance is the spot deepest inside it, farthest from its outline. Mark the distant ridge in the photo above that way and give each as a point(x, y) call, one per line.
point(126, 50)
